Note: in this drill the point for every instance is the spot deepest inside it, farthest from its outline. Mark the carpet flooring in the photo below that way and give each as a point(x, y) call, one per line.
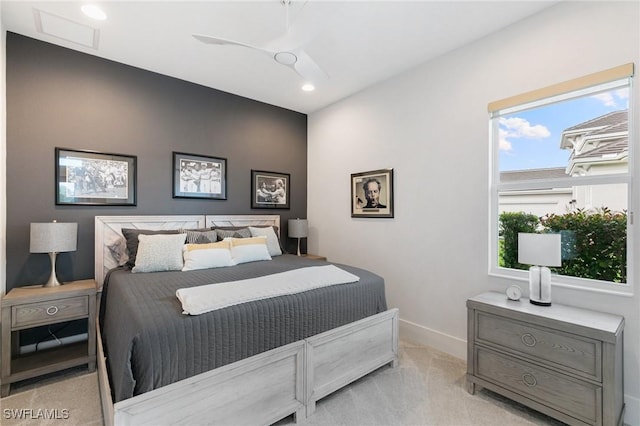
point(427, 388)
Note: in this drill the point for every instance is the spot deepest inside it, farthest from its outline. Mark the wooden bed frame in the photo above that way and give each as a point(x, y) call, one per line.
point(261, 389)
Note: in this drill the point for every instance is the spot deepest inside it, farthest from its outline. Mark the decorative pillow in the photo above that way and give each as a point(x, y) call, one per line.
point(232, 233)
point(245, 250)
point(131, 235)
point(204, 256)
point(118, 251)
point(159, 253)
point(201, 237)
point(273, 244)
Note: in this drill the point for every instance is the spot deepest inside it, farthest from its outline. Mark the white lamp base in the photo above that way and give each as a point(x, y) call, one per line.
point(53, 280)
point(540, 285)
point(298, 246)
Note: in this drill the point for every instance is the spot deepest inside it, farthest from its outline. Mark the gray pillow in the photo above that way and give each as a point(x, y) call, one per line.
point(201, 237)
point(232, 232)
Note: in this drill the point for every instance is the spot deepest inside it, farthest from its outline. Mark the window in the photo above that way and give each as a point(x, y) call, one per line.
point(561, 164)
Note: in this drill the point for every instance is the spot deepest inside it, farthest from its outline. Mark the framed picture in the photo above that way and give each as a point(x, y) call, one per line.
point(270, 190)
point(95, 178)
point(372, 194)
point(198, 176)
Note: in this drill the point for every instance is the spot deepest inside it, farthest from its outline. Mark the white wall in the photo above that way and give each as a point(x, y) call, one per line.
point(431, 126)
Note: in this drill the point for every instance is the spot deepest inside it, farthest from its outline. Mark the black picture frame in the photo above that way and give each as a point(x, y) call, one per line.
point(270, 190)
point(94, 178)
point(380, 204)
point(199, 176)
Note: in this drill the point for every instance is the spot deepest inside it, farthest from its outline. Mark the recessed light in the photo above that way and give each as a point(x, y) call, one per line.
point(93, 11)
point(308, 87)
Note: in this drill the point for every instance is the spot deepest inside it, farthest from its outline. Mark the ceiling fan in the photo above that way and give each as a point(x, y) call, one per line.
point(288, 49)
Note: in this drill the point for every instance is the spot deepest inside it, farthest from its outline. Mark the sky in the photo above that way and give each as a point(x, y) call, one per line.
point(531, 139)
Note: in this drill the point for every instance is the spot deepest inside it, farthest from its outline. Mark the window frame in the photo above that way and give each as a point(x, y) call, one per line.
point(606, 80)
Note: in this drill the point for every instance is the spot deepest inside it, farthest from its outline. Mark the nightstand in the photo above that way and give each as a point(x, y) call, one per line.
point(34, 306)
point(314, 257)
point(563, 361)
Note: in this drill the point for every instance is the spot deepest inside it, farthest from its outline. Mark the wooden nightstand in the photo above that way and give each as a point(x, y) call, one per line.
point(33, 306)
point(314, 257)
point(563, 361)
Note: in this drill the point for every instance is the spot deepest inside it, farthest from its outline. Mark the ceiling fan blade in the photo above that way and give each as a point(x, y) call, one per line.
point(308, 69)
point(301, 29)
point(223, 41)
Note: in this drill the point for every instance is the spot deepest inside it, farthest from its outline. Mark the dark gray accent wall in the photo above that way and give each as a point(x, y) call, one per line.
point(58, 97)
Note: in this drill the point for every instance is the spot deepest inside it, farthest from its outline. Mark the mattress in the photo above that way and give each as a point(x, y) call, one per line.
point(149, 343)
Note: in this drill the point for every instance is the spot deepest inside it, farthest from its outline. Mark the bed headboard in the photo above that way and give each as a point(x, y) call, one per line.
point(108, 235)
point(243, 220)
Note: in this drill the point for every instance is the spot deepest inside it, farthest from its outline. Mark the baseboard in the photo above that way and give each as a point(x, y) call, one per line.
point(53, 343)
point(417, 333)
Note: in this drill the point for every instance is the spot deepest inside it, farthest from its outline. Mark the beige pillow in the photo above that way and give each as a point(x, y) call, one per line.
point(160, 252)
point(204, 256)
point(252, 249)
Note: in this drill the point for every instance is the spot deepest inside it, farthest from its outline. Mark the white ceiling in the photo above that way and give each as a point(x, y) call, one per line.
point(357, 43)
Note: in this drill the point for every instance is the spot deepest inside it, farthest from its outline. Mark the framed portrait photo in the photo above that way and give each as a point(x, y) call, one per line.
point(199, 176)
point(270, 190)
point(372, 194)
point(95, 178)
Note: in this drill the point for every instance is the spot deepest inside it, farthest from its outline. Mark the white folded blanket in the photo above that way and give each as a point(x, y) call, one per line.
point(205, 298)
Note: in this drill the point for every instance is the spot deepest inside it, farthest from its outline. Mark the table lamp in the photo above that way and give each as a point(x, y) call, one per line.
point(540, 251)
point(298, 228)
point(53, 238)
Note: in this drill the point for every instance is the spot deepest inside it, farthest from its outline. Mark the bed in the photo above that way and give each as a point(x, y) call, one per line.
point(253, 363)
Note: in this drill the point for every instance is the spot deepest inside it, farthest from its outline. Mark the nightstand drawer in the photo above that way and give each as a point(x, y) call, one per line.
point(49, 312)
point(575, 397)
point(581, 356)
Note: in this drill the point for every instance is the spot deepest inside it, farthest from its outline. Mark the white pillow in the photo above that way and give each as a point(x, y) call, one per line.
point(159, 252)
point(245, 250)
point(273, 245)
point(204, 256)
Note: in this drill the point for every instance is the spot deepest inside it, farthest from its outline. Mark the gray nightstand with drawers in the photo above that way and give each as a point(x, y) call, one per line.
point(33, 306)
point(563, 361)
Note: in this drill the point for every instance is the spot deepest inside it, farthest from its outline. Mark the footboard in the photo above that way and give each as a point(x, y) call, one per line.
point(259, 390)
point(266, 387)
point(340, 356)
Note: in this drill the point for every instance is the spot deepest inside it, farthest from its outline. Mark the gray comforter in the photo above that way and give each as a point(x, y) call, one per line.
point(149, 343)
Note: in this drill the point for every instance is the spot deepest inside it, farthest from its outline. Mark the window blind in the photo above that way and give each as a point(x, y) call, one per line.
point(601, 77)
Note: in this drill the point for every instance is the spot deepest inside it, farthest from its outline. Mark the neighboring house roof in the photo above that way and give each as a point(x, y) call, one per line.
point(532, 174)
point(615, 121)
point(621, 126)
point(606, 120)
point(601, 140)
point(612, 148)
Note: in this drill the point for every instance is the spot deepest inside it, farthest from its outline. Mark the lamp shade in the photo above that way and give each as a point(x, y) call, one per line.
point(298, 228)
point(53, 237)
point(539, 249)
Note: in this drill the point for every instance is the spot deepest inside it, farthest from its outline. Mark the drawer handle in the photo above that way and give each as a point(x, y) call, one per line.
point(528, 340)
point(529, 380)
point(52, 310)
